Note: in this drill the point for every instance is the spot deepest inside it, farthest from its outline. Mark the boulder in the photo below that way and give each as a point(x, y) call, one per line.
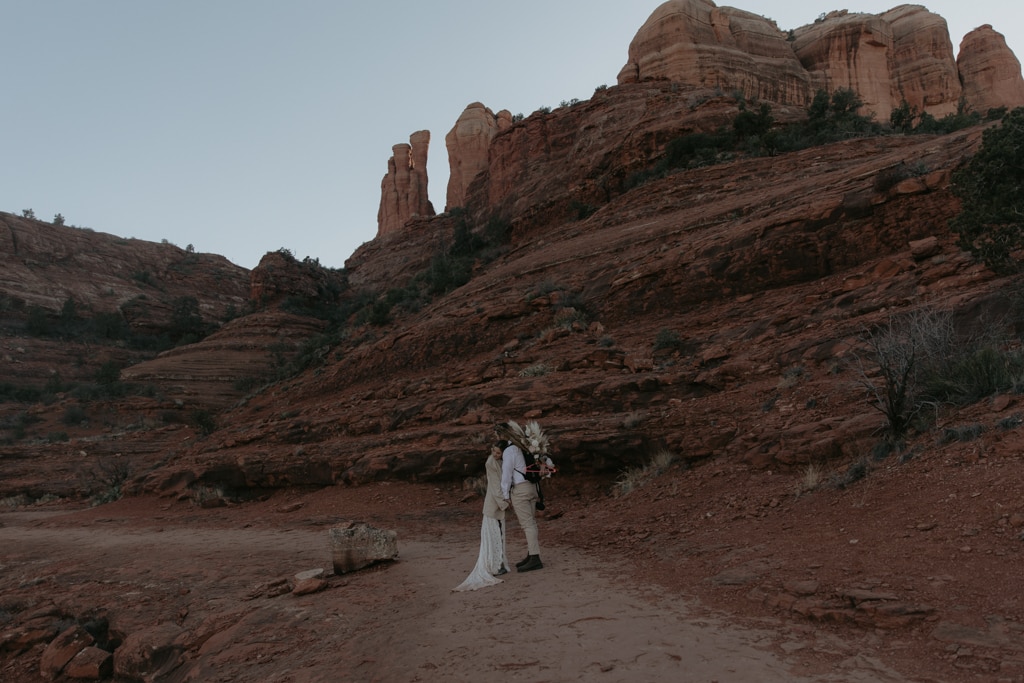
point(92, 664)
point(360, 545)
point(150, 654)
point(62, 650)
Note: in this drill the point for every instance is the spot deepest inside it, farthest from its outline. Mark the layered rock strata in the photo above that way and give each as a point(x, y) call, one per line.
point(904, 54)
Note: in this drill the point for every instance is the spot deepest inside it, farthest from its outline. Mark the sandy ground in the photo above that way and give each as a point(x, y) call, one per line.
point(210, 574)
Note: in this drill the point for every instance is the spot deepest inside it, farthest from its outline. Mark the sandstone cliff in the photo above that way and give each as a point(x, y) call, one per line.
point(468, 143)
point(904, 54)
point(699, 44)
point(403, 189)
point(990, 71)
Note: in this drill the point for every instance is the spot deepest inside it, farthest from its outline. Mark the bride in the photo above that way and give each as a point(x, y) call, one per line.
point(491, 561)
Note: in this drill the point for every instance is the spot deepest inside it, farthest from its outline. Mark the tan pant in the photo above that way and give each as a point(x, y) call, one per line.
point(524, 497)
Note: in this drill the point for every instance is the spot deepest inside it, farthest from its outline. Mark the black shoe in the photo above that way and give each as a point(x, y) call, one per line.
point(523, 561)
point(502, 571)
point(532, 562)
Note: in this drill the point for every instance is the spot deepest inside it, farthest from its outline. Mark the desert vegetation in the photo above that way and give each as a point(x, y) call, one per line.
point(913, 365)
point(991, 188)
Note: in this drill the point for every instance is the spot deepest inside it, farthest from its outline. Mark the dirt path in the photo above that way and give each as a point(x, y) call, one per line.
point(211, 582)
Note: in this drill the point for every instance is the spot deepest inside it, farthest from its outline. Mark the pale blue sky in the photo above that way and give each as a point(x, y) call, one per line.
point(244, 126)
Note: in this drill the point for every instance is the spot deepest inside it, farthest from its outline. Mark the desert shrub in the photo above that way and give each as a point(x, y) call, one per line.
point(961, 433)
point(668, 339)
point(535, 370)
point(581, 210)
point(791, 376)
point(38, 322)
point(907, 119)
point(105, 479)
point(203, 420)
point(635, 477)
point(204, 495)
point(991, 190)
point(812, 478)
point(921, 359)
point(172, 417)
point(856, 471)
point(892, 358)
point(73, 415)
point(10, 392)
point(633, 419)
point(695, 150)
point(1011, 422)
point(973, 375)
point(144, 277)
point(187, 326)
point(569, 316)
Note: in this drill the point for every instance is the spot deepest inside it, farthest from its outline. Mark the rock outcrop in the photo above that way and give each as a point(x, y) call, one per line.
point(700, 44)
point(904, 54)
point(990, 71)
point(280, 274)
point(468, 143)
point(43, 265)
point(403, 191)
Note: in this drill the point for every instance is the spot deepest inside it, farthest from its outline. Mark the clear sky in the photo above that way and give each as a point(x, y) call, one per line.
point(244, 126)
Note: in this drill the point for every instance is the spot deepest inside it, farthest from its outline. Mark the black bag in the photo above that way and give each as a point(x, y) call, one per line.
point(532, 470)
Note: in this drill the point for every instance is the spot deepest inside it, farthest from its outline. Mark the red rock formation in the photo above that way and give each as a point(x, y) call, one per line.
point(902, 54)
point(989, 70)
point(403, 191)
point(468, 142)
point(699, 44)
point(279, 274)
point(924, 71)
point(849, 51)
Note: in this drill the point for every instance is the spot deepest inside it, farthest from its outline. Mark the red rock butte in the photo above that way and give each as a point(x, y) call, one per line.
point(902, 55)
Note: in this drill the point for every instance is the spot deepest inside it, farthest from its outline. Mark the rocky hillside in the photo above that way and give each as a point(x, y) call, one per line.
point(712, 312)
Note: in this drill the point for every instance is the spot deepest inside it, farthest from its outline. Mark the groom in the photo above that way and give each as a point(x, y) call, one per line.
point(521, 494)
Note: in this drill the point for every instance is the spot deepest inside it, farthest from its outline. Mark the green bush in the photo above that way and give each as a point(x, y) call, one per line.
point(203, 420)
point(669, 340)
point(991, 190)
point(73, 415)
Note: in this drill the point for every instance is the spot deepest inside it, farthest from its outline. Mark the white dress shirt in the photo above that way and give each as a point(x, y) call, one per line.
point(513, 464)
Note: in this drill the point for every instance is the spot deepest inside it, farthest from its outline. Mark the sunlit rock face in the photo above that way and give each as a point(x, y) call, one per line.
point(468, 143)
point(903, 55)
point(403, 191)
point(698, 43)
point(990, 71)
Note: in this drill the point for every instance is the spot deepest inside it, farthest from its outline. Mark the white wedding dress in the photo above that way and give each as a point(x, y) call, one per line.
point(491, 558)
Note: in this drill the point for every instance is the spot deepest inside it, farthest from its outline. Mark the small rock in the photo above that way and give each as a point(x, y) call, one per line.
point(310, 574)
point(309, 585)
point(92, 664)
point(62, 650)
